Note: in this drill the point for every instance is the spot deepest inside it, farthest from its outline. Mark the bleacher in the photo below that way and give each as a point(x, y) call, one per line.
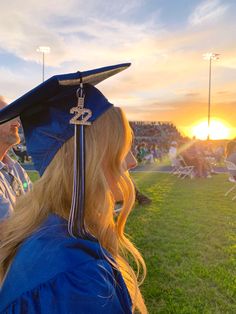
point(154, 132)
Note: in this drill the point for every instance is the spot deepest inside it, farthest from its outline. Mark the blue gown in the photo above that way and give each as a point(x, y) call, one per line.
point(53, 273)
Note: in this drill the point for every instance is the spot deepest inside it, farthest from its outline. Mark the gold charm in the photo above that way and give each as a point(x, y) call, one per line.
point(84, 113)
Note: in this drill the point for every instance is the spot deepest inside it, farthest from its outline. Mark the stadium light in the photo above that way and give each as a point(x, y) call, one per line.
point(44, 50)
point(210, 56)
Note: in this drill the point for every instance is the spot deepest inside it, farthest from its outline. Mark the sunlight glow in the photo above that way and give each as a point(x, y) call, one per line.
point(218, 130)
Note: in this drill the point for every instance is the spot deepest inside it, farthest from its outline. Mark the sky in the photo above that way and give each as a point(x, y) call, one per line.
point(163, 39)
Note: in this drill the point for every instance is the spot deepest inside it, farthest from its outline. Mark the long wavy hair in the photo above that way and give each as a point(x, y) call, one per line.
point(108, 140)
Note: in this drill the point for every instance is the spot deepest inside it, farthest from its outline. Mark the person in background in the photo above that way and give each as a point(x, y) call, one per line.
point(156, 151)
point(63, 250)
point(173, 154)
point(193, 156)
point(14, 180)
point(219, 154)
point(148, 158)
point(141, 198)
point(230, 153)
point(173, 150)
point(21, 153)
point(141, 152)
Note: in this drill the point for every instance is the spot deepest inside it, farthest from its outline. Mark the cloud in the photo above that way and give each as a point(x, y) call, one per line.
point(14, 84)
point(192, 94)
point(207, 11)
point(59, 24)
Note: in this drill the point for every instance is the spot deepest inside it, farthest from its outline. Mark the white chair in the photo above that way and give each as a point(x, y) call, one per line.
point(231, 167)
point(185, 170)
point(176, 165)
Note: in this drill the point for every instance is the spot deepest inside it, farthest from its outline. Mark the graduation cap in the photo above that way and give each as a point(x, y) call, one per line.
point(53, 112)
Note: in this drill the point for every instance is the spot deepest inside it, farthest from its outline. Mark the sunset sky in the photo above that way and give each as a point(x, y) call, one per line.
point(163, 39)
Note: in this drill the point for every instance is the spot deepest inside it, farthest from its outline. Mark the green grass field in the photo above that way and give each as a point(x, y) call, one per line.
point(188, 239)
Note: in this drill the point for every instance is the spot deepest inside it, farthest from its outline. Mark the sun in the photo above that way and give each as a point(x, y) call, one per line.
point(218, 130)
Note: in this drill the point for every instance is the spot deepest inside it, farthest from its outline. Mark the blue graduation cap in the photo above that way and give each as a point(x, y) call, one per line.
point(53, 112)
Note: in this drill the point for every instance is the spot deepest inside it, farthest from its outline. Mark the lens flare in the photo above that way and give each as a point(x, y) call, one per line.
point(219, 129)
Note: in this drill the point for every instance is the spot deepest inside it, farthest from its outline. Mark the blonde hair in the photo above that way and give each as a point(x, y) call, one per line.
point(108, 141)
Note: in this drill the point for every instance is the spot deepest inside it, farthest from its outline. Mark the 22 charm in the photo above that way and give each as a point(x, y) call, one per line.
point(81, 116)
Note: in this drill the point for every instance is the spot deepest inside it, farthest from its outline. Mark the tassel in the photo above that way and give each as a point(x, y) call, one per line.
point(76, 224)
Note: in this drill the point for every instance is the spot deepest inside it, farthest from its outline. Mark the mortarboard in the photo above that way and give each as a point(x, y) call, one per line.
point(53, 112)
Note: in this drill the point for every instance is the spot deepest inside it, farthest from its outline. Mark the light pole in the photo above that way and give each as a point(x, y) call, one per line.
point(43, 50)
point(210, 56)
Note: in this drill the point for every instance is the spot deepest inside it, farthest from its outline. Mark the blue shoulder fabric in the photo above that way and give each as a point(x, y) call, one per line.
point(54, 273)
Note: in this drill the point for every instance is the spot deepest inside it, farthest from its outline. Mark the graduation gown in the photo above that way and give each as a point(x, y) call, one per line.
point(57, 274)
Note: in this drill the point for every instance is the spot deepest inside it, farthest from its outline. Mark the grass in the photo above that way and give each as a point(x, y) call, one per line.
point(187, 237)
point(33, 175)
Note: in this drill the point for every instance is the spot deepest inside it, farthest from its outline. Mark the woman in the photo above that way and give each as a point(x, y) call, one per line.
point(45, 269)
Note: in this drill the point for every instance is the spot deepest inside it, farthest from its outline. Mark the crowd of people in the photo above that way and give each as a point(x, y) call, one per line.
point(158, 141)
point(154, 142)
point(195, 156)
point(198, 154)
point(152, 139)
point(154, 133)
